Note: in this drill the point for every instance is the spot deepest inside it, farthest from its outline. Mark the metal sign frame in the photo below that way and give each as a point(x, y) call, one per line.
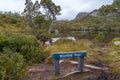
point(61, 55)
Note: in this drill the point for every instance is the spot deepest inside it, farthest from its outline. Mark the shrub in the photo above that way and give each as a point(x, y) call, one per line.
point(12, 67)
point(1, 38)
point(100, 37)
point(1, 41)
point(43, 35)
point(27, 45)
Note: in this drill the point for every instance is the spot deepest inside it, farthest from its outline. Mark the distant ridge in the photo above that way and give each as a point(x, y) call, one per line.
point(81, 14)
point(84, 14)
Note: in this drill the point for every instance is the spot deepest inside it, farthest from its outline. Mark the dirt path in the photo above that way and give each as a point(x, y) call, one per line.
point(45, 71)
point(41, 72)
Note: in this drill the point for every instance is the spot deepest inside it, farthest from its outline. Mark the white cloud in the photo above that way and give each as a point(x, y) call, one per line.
point(11, 5)
point(70, 8)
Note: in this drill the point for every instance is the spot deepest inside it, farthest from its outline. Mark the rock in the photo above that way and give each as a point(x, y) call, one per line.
point(36, 70)
point(117, 43)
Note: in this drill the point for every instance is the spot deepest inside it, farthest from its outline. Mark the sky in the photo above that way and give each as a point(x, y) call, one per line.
point(70, 8)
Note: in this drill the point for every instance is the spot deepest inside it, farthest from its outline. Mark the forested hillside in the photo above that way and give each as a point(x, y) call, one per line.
point(107, 19)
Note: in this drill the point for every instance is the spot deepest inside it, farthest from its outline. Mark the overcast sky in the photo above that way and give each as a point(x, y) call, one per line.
point(70, 8)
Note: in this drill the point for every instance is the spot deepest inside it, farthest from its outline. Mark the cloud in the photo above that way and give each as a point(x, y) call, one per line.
point(12, 5)
point(70, 8)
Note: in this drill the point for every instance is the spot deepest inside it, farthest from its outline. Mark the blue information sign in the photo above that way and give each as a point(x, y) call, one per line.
point(58, 56)
point(69, 55)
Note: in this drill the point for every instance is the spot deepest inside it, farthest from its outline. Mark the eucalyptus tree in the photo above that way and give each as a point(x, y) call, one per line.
point(28, 11)
point(41, 11)
point(41, 15)
point(51, 10)
point(36, 9)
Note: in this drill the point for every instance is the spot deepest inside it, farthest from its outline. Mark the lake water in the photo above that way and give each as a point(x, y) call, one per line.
point(108, 36)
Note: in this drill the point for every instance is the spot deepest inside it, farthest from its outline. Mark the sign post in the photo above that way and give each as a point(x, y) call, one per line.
point(61, 55)
point(81, 64)
point(57, 66)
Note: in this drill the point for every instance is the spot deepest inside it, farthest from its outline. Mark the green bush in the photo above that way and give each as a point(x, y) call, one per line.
point(2, 42)
point(100, 37)
point(1, 38)
point(12, 67)
point(27, 45)
point(43, 35)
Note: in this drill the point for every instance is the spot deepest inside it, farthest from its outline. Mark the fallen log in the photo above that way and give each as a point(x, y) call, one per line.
point(90, 66)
